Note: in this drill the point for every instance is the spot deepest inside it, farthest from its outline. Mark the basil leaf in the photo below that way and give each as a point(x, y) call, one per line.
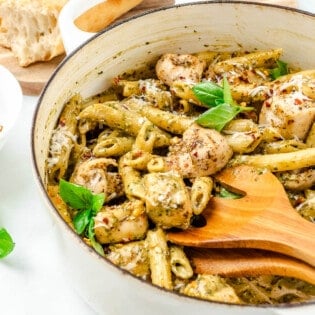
point(6, 243)
point(226, 194)
point(81, 220)
point(97, 202)
point(209, 93)
point(279, 71)
point(81, 198)
point(227, 95)
point(91, 234)
point(76, 196)
point(217, 117)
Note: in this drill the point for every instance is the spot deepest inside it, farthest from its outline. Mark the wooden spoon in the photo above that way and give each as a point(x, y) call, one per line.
point(101, 15)
point(262, 219)
point(248, 262)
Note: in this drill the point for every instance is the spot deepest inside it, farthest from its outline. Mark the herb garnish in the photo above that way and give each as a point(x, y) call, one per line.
point(280, 70)
point(226, 194)
point(88, 204)
point(6, 243)
point(222, 106)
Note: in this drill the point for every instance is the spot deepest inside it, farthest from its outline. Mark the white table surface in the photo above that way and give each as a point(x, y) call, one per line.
point(31, 280)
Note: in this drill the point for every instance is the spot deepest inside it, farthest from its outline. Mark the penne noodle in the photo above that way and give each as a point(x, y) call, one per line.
point(113, 146)
point(180, 264)
point(259, 59)
point(166, 120)
point(279, 162)
point(119, 117)
point(159, 259)
point(201, 194)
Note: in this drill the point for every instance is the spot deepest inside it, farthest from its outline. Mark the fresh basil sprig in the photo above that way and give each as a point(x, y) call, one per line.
point(88, 204)
point(6, 243)
point(209, 93)
point(280, 70)
point(222, 106)
point(218, 116)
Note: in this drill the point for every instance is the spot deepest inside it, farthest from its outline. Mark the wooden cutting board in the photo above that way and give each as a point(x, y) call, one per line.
point(34, 77)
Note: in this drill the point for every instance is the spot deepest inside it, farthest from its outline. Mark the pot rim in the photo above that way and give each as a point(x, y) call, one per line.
point(67, 228)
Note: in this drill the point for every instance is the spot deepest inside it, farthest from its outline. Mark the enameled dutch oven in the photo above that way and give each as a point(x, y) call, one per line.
point(89, 69)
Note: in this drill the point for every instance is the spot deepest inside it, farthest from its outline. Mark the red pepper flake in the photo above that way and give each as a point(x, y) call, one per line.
point(297, 101)
point(105, 220)
point(62, 122)
point(116, 80)
point(137, 154)
point(267, 104)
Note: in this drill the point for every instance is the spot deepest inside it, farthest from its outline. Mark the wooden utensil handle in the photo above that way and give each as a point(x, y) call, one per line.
point(296, 239)
point(248, 262)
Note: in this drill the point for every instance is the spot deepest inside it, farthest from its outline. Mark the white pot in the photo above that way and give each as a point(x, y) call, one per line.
point(90, 69)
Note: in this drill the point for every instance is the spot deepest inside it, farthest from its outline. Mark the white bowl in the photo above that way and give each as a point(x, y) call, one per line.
point(11, 98)
point(306, 5)
point(128, 45)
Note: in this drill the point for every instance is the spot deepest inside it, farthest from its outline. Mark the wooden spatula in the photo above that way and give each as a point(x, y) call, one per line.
point(262, 219)
point(248, 262)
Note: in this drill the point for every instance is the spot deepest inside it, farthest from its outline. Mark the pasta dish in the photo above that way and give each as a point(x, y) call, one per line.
point(139, 159)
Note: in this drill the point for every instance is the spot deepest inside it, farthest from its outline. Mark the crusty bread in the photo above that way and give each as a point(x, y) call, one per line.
point(104, 13)
point(29, 28)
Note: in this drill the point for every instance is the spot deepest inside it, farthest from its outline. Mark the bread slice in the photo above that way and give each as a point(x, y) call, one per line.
point(29, 28)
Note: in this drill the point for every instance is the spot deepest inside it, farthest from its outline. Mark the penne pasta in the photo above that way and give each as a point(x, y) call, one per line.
point(116, 116)
point(159, 259)
point(146, 149)
point(166, 120)
point(201, 192)
point(180, 264)
point(259, 59)
point(279, 162)
point(113, 146)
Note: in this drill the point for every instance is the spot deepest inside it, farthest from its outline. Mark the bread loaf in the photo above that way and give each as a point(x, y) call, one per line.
point(29, 28)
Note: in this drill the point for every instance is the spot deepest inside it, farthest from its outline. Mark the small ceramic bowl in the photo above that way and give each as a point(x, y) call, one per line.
point(306, 5)
point(10, 103)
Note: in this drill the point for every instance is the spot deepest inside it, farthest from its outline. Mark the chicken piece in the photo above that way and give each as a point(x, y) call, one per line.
point(298, 180)
point(290, 111)
point(307, 208)
point(132, 257)
point(167, 200)
point(176, 67)
point(201, 152)
point(95, 175)
point(121, 223)
point(213, 288)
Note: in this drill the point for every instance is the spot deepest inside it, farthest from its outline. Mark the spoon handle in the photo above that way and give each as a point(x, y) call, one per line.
point(248, 262)
point(293, 236)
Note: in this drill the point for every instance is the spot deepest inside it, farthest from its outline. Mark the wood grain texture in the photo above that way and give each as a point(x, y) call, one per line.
point(262, 219)
point(248, 262)
point(34, 77)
